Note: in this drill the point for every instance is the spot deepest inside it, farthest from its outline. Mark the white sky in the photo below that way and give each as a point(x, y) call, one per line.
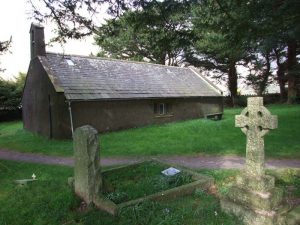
point(15, 21)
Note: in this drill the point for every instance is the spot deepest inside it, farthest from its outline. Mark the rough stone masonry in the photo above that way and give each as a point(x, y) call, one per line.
point(254, 197)
point(87, 170)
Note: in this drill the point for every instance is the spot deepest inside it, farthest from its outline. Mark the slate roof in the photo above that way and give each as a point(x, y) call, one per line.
point(92, 78)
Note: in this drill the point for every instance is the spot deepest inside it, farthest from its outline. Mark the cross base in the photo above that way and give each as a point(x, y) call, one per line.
point(254, 199)
point(255, 217)
point(266, 201)
point(262, 183)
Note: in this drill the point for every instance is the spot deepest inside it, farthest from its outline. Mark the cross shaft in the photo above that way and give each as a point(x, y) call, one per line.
point(255, 121)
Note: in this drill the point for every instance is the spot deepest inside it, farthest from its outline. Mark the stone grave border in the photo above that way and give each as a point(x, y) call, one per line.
point(200, 181)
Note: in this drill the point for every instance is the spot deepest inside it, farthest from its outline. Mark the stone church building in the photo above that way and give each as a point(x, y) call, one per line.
point(63, 92)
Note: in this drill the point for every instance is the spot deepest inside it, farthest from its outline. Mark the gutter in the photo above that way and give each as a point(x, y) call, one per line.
point(71, 117)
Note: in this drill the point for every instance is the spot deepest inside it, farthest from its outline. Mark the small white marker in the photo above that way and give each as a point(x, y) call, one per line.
point(33, 176)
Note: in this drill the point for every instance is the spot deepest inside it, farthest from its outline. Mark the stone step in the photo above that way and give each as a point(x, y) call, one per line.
point(256, 200)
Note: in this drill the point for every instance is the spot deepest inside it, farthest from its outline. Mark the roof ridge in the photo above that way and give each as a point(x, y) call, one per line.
point(111, 59)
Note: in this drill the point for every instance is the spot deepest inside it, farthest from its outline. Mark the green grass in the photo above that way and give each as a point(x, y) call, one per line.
point(13, 136)
point(50, 201)
point(126, 184)
point(198, 136)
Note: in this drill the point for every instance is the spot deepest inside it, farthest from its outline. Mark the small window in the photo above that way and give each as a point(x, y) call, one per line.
point(70, 62)
point(161, 108)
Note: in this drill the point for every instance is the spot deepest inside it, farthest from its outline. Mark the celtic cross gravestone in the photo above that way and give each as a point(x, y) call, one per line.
point(255, 121)
point(254, 197)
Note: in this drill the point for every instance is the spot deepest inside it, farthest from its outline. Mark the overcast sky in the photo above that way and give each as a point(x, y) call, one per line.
point(15, 21)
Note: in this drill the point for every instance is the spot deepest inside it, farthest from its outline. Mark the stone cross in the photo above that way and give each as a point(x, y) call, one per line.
point(255, 121)
point(87, 171)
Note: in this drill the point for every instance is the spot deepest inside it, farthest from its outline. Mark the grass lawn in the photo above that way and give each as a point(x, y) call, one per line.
point(198, 136)
point(50, 201)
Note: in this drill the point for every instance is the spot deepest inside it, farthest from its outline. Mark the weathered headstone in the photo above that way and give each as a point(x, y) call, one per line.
point(254, 197)
point(255, 121)
point(87, 170)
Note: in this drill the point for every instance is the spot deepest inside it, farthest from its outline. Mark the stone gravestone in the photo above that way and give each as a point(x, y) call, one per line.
point(254, 197)
point(87, 171)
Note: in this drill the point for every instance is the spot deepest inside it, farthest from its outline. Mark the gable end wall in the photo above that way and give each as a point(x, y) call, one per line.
point(41, 104)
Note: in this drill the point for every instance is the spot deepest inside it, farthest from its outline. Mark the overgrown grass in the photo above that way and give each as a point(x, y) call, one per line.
point(50, 201)
point(198, 136)
point(144, 179)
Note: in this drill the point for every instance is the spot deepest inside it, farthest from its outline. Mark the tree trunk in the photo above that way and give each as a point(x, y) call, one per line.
point(265, 76)
point(291, 66)
point(232, 82)
point(281, 79)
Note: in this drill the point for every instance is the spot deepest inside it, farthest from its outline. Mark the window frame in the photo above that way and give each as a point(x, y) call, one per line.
point(161, 109)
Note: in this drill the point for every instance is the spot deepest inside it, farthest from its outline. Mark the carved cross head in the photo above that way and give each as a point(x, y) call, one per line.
point(255, 118)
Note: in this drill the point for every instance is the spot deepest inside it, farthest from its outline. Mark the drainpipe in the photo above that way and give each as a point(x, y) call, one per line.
point(71, 118)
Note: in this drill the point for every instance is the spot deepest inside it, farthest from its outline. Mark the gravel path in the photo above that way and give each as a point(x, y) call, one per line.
point(194, 162)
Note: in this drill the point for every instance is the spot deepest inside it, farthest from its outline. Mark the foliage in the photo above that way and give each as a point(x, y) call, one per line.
point(199, 136)
point(219, 27)
point(4, 46)
point(78, 18)
point(158, 32)
point(260, 73)
point(276, 31)
point(11, 92)
point(10, 98)
point(248, 33)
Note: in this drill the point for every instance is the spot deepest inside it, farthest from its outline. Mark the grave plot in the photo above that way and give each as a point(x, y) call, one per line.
point(117, 188)
point(144, 181)
point(140, 180)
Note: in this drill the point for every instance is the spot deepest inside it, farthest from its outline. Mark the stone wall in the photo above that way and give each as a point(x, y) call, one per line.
point(44, 111)
point(116, 115)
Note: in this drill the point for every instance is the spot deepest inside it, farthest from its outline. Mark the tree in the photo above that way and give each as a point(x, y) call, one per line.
point(158, 32)
point(281, 68)
point(288, 15)
point(11, 92)
point(4, 46)
point(253, 33)
point(260, 73)
point(76, 19)
point(219, 26)
point(277, 23)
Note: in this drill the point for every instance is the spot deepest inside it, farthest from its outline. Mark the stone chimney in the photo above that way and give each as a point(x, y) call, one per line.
point(37, 40)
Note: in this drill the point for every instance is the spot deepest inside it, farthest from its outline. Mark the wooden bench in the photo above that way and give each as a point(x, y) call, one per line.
point(214, 116)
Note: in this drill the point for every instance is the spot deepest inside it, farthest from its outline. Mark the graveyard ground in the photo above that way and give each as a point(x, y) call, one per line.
point(193, 137)
point(49, 200)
